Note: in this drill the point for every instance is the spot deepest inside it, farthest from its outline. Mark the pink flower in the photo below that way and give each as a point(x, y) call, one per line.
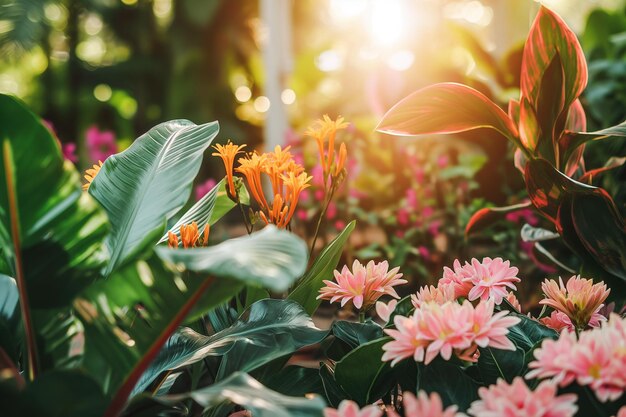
point(100, 144)
point(318, 175)
point(517, 400)
point(363, 285)
point(411, 199)
point(436, 329)
point(580, 299)
point(402, 216)
point(512, 299)
point(424, 252)
point(558, 321)
point(331, 211)
point(302, 214)
point(443, 161)
point(384, 310)
point(340, 225)
point(419, 175)
point(597, 359)
point(430, 294)
point(351, 409)
point(203, 188)
point(427, 212)
point(491, 278)
point(319, 195)
point(621, 412)
point(69, 152)
point(433, 227)
point(424, 406)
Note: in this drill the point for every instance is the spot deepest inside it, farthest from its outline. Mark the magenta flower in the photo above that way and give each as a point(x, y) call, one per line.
point(363, 285)
point(331, 210)
point(100, 144)
point(443, 161)
point(402, 216)
point(340, 225)
point(424, 252)
point(517, 400)
point(69, 152)
point(203, 188)
point(351, 409)
point(411, 199)
point(424, 406)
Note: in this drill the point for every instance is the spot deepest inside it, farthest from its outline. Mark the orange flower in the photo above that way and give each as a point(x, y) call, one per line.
point(323, 129)
point(251, 167)
point(172, 240)
point(341, 160)
point(189, 236)
point(227, 153)
point(295, 184)
point(90, 174)
point(579, 299)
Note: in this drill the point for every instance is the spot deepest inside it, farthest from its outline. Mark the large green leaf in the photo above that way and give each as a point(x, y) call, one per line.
point(142, 187)
point(296, 381)
point(270, 329)
point(571, 141)
point(309, 285)
point(363, 375)
point(245, 391)
point(130, 316)
point(549, 36)
point(50, 231)
point(446, 108)
point(9, 318)
point(274, 257)
point(450, 381)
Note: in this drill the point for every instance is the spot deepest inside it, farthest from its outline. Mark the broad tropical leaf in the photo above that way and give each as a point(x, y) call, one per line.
point(245, 391)
point(9, 318)
point(550, 35)
point(308, 286)
point(142, 187)
point(272, 256)
point(571, 141)
point(446, 108)
point(450, 381)
point(269, 330)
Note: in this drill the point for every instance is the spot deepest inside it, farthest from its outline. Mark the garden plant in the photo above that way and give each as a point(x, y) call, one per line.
point(117, 298)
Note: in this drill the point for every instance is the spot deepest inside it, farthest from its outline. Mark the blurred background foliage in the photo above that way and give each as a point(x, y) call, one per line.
point(101, 72)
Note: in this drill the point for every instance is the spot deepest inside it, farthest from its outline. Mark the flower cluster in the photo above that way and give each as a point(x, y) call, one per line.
point(325, 130)
point(90, 175)
point(423, 405)
point(363, 285)
point(576, 304)
point(491, 278)
point(189, 236)
point(436, 329)
point(597, 359)
point(228, 153)
point(517, 400)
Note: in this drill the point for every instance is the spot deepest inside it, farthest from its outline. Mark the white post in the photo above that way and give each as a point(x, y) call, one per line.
point(277, 63)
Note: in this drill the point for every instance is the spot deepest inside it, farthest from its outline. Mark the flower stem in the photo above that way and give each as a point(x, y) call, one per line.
point(321, 218)
point(361, 316)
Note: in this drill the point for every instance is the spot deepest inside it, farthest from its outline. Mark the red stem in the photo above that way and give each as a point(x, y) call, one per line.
point(31, 341)
point(121, 396)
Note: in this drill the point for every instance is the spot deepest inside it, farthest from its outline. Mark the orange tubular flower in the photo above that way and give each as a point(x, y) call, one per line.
point(326, 128)
point(295, 184)
point(341, 160)
point(189, 234)
point(251, 167)
point(90, 174)
point(227, 153)
point(172, 240)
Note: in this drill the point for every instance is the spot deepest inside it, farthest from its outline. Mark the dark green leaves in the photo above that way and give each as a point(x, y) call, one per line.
point(142, 187)
point(245, 391)
point(309, 285)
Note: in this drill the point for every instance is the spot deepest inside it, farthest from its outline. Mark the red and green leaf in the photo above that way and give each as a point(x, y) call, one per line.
point(446, 108)
point(487, 216)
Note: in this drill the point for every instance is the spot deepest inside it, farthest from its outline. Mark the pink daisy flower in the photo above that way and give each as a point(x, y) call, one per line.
point(459, 276)
point(517, 400)
point(621, 412)
point(512, 299)
point(363, 285)
point(491, 279)
point(491, 329)
point(384, 310)
point(579, 299)
point(597, 359)
point(439, 294)
point(351, 409)
point(424, 406)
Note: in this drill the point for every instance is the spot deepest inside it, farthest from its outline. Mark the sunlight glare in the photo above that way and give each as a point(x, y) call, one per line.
point(387, 21)
point(342, 10)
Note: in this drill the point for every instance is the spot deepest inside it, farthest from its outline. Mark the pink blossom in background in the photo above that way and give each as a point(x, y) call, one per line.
point(100, 144)
point(354, 193)
point(331, 211)
point(411, 199)
point(69, 152)
point(427, 212)
point(402, 216)
point(298, 158)
point(527, 247)
point(203, 188)
point(302, 214)
point(305, 195)
point(363, 285)
point(517, 400)
point(419, 175)
point(597, 359)
point(527, 215)
point(424, 252)
point(433, 227)
point(340, 225)
point(319, 194)
point(292, 138)
point(349, 408)
point(424, 405)
point(443, 161)
point(317, 172)
point(400, 234)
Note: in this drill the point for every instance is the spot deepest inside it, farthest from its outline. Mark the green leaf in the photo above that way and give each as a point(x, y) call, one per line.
point(10, 339)
point(536, 234)
point(245, 391)
point(570, 141)
point(356, 334)
point(308, 287)
point(142, 187)
point(296, 381)
point(332, 391)
point(273, 257)
point(446, 108)
point(58, 393)
point(270, 329)
point(549, 36)
point(365, 384)
point(505, 364)
point(449, 380)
